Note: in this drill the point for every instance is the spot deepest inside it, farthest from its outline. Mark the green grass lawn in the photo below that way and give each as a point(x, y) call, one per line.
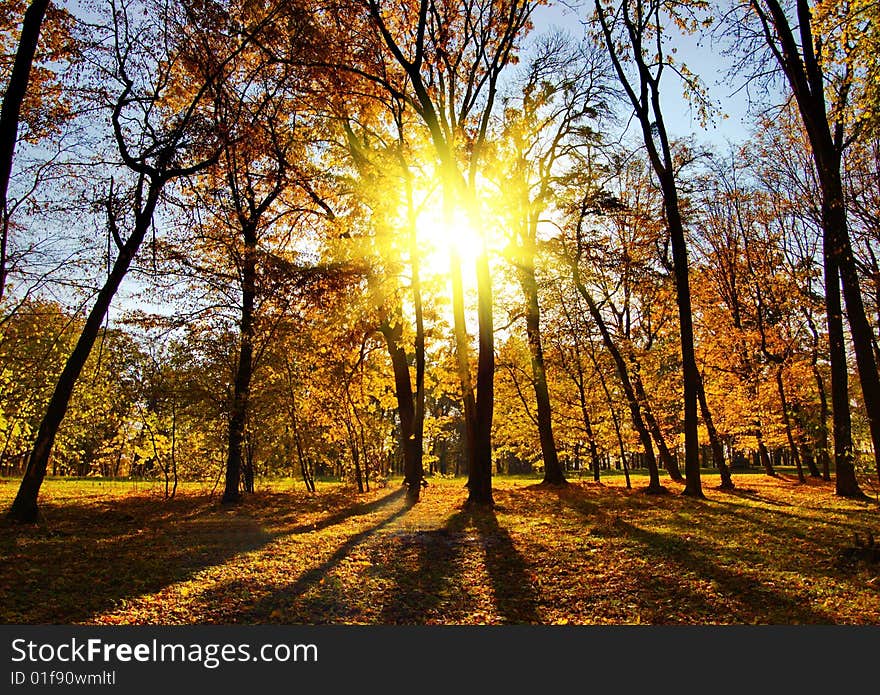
point(117, 552)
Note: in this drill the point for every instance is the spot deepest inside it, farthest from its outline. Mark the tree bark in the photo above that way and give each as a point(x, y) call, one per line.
point(666, 458)
point(480, 478)
point(406, 408)
point(846, 484)
point(24, 508)
point(244, 370)
point(804, 73)
point(10, 112)
point(553, 473)
point(654, 485)
point(714, 440)
point(786, 420)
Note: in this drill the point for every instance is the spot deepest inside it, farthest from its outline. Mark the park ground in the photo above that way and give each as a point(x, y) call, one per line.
point(773, 551)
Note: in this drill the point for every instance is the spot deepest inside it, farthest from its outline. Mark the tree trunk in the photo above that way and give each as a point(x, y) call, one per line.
point(654, 485)
point(480, 478)
point(409, 444)
point(666, 458)
point(714, 440)
point(846, 484)
point(24, 508)
point(786, 420)
point(803, 69)
point(11, 111)
point(690, 376)
point(614, 419)
point(834, 218)
point(823, 403)
point(764, 454)
point(244, 371)
point(419, 404)
point(462, 351)
point(553, 473)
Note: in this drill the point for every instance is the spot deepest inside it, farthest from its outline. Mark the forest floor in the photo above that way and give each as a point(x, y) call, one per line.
point(771, 551)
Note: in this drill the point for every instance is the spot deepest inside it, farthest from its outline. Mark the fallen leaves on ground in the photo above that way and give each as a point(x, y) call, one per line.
point(584, 553)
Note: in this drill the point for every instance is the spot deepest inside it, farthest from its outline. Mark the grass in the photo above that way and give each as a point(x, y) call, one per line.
point(116, 552)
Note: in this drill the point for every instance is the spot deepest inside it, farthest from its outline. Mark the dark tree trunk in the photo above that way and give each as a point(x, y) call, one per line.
point(846, 484)
point(823, 403)
point(803, 70)
point(24, 508)
point(834, 218)
point(614, 419)
point(11, 111)
point(654, 485)
point(690, 375)
point(480, 478)
point(666, 458)
point(553, 473)
point(419, 405)
point(786, 420)
point(392, 331)
point(594, 452)
point(244, 371)
point(764, 454)
point(714, 440)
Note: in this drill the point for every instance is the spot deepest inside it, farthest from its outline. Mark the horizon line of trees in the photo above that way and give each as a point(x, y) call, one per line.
point(266, 172)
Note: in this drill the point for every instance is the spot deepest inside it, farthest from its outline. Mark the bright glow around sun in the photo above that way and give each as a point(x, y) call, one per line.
point(439, 238)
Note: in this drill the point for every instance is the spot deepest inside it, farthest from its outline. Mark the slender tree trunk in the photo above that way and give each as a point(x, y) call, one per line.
point(690, 374)
point(297, 436)
point(553, 473)
point(666, 458)
point(614, 419)
point(823, 403)
point(406, 409)
point(654, 485)
point(24, 508)
point(419, 405)
point(786, 420)
point(763, 453)
point(480, 480)
point(244, 371)
point(11, 111)
point(846, 484)
point(588, 426)
point(714, 440)
point(462, 351)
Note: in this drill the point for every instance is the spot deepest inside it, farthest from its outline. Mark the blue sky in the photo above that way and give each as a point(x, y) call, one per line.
point(702, 58)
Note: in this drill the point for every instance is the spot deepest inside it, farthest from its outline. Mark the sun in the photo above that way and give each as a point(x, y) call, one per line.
point(439, 239)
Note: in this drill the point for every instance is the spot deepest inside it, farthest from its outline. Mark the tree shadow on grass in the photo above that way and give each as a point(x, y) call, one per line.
point(516, 600)
point(92, 558)
point(289, 603)
point(680, 564)
point(752, 600)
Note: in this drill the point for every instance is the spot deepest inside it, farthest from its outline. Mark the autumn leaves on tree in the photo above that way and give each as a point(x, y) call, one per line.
point(434, 237)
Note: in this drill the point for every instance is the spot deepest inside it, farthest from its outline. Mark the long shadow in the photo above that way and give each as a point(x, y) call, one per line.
point(263, 609)
point(92, 558)
point(338, 517)
point(425, 568)
point(515, 596)
point(759, 600)
point(699, 559)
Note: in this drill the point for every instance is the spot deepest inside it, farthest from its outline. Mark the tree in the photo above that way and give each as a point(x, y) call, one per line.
point(562, 93)
point(451, 57)
point(813, 49)
point(634, 32)
point(158, 140)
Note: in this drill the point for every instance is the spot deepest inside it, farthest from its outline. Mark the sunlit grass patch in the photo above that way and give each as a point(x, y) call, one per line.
point(586, 553)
